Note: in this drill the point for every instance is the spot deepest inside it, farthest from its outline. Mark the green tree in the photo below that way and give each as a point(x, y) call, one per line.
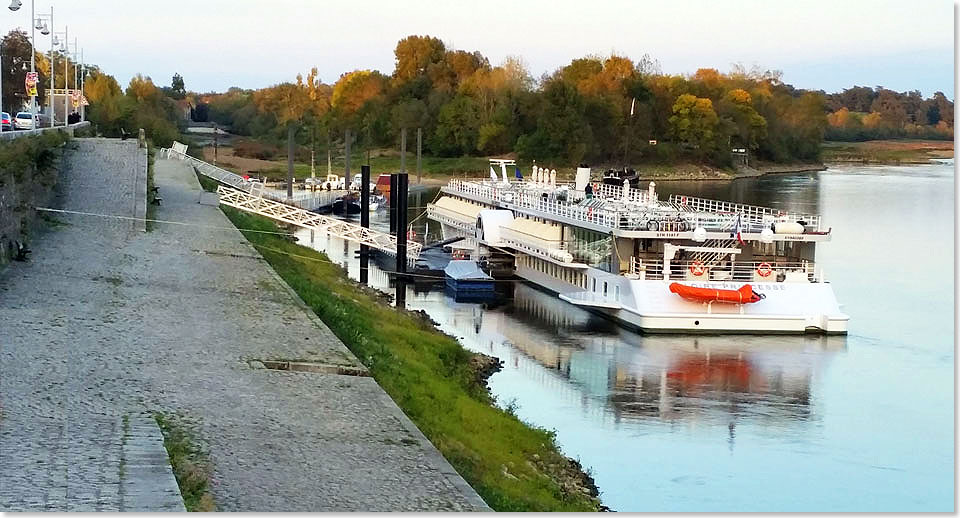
point(178, 89)
point(457, 128)
point(562, 131)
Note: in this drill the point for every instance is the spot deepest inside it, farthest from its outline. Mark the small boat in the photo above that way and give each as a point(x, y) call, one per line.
point(346, 205)
point(376, 201)
point(383, 185)
point(467, 277)
point(744, 295)
point(617, 176)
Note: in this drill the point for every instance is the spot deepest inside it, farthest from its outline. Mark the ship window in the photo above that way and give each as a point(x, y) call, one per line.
point(594, 286)
point(604, 288)
point(616, 292)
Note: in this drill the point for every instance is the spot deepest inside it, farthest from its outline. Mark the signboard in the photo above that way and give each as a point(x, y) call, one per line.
point(83, 100)
point(75, 96)
point(31, 83)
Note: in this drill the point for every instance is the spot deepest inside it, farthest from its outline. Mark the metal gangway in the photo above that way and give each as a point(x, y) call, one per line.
point(307, 200)
point(278, 211)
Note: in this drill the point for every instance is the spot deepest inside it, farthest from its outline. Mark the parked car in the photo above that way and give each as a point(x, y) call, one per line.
point(25, 121)
point(6, 123)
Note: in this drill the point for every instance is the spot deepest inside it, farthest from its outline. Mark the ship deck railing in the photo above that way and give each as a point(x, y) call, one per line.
point(634, 212)
point(736, 271)
point(754, 212)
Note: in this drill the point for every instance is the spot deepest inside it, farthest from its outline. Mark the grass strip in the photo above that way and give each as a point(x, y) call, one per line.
point(512, 465)
point(190, 464)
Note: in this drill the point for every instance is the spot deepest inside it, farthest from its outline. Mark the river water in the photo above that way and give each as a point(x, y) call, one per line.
point(863, 422)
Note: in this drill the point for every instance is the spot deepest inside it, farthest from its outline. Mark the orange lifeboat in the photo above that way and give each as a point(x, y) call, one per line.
point(744, 295)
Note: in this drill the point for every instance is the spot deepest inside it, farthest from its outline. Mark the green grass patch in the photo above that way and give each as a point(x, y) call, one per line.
point(190, 464)
point(513, 466)
point(206, 183)
point(902, 151)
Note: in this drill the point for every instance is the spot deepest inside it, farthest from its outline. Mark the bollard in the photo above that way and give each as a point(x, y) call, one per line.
point(364, 220)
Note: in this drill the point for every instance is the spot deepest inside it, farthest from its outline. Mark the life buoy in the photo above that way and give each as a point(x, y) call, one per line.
point(411, 234)
point(764, 270)
point(683, 200)
point(697, 268)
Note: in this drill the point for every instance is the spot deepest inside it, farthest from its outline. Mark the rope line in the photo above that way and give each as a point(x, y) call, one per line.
point(166, 222)
point(258, 247)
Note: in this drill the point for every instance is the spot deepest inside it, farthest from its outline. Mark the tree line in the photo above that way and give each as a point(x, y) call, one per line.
point(600, 109)
point(863, 113)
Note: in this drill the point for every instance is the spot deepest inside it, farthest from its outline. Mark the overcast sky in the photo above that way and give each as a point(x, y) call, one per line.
point(215, 44)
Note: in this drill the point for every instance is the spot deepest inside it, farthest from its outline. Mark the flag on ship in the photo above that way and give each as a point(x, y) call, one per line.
point(493, 175)
point(517, 172)
point(736, 231)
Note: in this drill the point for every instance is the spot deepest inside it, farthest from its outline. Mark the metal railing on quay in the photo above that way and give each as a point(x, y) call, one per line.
point(70, 129)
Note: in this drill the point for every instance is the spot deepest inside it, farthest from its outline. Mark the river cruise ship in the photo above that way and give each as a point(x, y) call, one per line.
point(679, 264)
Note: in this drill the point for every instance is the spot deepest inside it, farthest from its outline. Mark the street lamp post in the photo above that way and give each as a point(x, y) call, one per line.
point(62, 43)
point(14, 5)
point(45, 30)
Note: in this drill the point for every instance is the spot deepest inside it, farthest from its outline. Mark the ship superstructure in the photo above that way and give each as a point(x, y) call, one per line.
point(639, 259)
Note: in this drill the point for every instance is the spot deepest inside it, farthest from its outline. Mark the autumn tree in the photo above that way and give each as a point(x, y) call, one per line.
point(694, 123)
point(354, 89)
point(289, 103)
point(749, 126)
point(414, 54)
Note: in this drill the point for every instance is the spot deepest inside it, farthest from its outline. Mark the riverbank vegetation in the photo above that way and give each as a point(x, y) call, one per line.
point(28, 175)
point(904, 151)
point(513, 466)
point(861, 113)
point(599, 109)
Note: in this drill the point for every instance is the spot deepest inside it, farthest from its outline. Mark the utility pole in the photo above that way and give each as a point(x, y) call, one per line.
point(33, 59)
point(66, 76)
point(403, 150)
point(83, 71)
point(329, 161)
point(419, 146)
point(346, 164)
point(290, 134)
point(313, 153)
point(52, 68)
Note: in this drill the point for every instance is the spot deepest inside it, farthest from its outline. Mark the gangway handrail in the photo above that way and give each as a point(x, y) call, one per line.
point(231, 179)
point(312, 221)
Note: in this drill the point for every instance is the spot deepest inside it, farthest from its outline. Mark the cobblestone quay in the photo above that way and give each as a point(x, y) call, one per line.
point(107, 321)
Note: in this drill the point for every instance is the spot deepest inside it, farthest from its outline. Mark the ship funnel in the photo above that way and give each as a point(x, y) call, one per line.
point(582, 179)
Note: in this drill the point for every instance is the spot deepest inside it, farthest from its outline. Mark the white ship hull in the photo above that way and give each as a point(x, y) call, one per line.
point(570, 248)
point(649, 306)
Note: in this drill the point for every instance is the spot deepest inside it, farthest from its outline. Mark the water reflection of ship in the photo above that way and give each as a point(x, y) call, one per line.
point(625, 375)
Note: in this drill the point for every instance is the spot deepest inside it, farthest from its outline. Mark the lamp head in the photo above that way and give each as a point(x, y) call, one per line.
point(45, 30)
point(15, 4)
